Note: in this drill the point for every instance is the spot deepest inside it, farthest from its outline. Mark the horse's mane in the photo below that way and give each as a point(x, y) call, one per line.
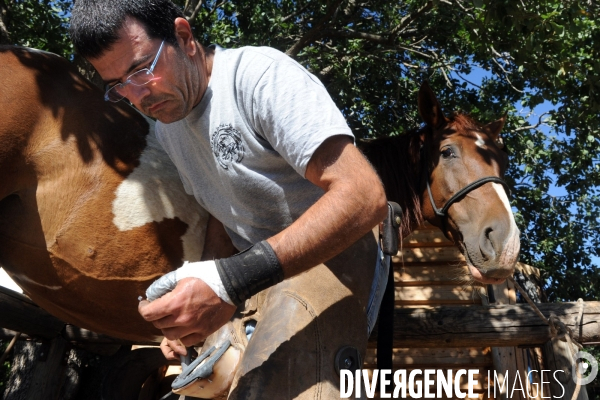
point(403, 167)
point(463, 122)
point(397, 160)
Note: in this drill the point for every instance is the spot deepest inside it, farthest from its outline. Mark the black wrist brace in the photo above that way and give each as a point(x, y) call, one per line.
point(249, 272)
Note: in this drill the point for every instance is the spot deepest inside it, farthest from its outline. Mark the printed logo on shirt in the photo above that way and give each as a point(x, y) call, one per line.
point(226, 143)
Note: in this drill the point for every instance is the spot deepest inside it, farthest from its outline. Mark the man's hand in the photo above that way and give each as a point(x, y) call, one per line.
point(190, 313)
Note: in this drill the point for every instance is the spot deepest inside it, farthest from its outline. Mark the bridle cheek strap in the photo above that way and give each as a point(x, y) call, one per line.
point(443, 212)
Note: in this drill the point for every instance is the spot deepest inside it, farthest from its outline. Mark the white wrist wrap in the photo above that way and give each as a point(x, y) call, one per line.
point(207, 272)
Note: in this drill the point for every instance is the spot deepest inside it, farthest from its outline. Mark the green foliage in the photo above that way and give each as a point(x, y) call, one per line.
point(372, 57)
point(41, 24)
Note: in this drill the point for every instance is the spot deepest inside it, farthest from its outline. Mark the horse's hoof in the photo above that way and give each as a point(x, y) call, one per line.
point(211, 374)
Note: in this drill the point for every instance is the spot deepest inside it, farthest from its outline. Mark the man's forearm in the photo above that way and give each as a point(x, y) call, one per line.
point(353, 203)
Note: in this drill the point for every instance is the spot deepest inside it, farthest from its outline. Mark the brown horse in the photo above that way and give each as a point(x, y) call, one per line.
point(449, 173)
point(92, 211)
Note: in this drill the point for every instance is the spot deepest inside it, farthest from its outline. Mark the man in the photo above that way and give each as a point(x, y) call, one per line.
point(260, 144)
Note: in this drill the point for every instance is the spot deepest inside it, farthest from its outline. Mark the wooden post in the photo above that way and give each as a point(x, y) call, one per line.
point(505, 358)
point(494, 326)
point(559, 356)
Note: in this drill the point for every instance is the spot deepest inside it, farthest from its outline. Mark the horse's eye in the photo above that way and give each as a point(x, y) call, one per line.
point(447, 152)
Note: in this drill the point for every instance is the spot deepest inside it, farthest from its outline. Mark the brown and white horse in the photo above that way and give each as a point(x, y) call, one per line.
point(92, 211)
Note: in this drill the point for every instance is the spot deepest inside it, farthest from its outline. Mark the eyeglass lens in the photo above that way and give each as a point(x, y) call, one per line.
point(138, 78)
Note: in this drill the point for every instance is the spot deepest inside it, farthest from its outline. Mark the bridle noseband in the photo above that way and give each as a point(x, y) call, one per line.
point(471, 186)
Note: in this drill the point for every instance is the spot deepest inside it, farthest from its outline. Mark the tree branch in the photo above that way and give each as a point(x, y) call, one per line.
point(197, 5)
point(495, 53)
point(350, 34)
point(409, 19)
point(412, 50)
point(524, 128)
point(387, 39)
point(466, 80)
point(448, 82)
point(186, 7)
point(295, 13)
point(4, 33)
point(466, 10)
point(315, 32)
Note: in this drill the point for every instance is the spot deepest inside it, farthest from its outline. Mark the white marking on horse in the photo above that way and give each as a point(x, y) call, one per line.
point(512, 243)
point(153, 192)
point(480, 142)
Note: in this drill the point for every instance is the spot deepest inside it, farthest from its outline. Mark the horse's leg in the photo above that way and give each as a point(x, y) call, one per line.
point(302, 323)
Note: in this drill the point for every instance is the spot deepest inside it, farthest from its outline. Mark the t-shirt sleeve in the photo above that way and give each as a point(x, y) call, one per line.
point(294, 113)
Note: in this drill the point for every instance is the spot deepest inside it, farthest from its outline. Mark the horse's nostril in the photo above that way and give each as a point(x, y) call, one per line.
point(486, 246)
point(488, 233)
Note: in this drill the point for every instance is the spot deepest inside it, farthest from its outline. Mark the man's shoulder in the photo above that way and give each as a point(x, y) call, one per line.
point(267, 54)
point(253, 59)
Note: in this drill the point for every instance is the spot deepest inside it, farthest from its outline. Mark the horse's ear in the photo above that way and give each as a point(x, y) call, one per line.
point(494, 128)
point(430, 108)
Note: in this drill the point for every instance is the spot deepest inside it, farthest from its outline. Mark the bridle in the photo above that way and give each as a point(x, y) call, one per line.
point(443, 212)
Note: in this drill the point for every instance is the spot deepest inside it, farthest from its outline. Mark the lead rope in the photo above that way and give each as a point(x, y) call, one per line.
point(559, 330)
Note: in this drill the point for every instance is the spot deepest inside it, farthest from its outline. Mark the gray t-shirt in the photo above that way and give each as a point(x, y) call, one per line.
point(243, 150)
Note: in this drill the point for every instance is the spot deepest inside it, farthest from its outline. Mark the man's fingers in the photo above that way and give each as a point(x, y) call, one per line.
point(193, 339)
point(179, 332)
point(172, 349)
point(157, 309)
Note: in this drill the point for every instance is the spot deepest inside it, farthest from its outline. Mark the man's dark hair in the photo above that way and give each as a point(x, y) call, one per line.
point(94, 23)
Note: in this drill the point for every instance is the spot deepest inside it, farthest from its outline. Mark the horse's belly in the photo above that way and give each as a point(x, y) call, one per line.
point(100, 303)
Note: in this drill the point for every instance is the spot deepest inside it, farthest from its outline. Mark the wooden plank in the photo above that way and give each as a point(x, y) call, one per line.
point(441, 358)
point(425, 275)
point(20, 314)
point(501, 326)
point(397, 262)
point(426, 236)
point(540, 365)
point(415, 245)
point(437, 294)
point(533, 380)
point(505, 363)
point(429, 254)
point(528, 270)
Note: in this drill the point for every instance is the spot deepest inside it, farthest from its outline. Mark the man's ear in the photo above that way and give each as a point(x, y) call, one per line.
point(185, 38)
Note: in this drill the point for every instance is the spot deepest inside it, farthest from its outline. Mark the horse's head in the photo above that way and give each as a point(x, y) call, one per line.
point(465, 195)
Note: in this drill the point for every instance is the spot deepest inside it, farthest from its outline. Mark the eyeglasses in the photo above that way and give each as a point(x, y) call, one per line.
point(138, 78)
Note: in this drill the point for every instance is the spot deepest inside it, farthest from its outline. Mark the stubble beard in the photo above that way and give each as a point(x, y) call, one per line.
point(177, 108)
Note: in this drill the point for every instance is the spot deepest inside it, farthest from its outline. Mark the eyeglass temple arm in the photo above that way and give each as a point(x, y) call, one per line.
point(157, 55)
